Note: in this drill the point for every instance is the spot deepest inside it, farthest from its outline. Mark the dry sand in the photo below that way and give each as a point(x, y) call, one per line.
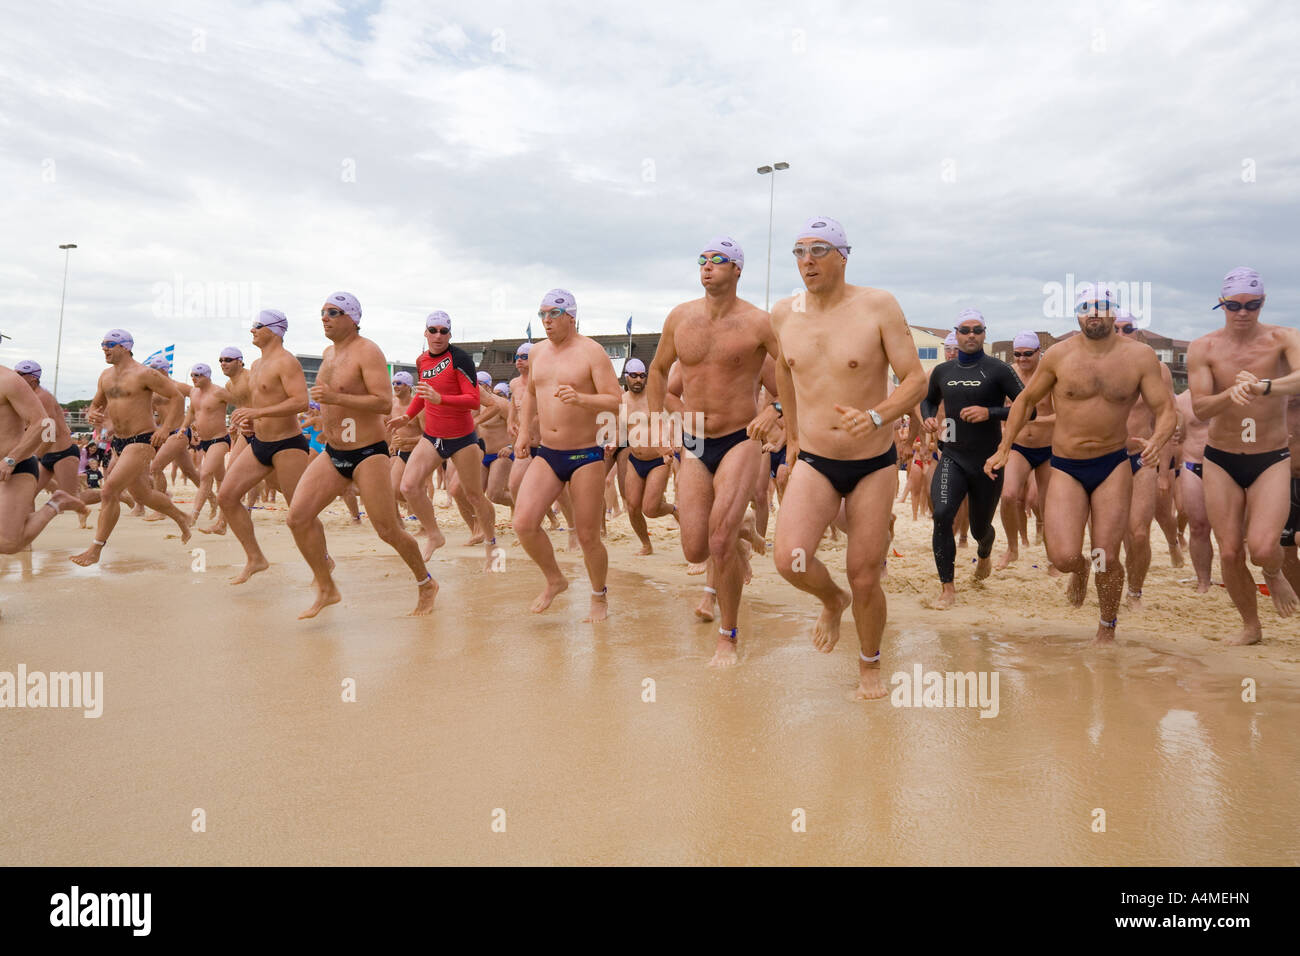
point(217, 698)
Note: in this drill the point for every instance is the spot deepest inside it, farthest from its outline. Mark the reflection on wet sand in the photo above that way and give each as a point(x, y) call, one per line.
point(217, 698)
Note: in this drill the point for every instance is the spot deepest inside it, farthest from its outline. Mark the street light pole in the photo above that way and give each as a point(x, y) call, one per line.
point(771, 205)
point(58, 349)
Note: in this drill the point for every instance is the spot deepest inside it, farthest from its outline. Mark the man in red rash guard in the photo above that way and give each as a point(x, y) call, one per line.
point(447, 391)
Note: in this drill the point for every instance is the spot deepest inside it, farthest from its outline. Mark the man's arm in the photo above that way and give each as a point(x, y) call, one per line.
point(526, 405)
point(656, 382)
point(608, 395)
point(1159, 396)
point(1012, 386)
point(161, 384)
point(789, 405)
point(24, 401)
point(1200, 382)
point(1039, 387)
point(378, 395)
point(1250, 385)
point(933, 395)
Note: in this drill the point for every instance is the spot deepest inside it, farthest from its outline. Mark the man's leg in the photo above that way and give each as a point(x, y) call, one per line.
point(762, 503)
point(132, 463)
point(245, 474)
point(809, 506)
point(374, 485)
point(1013, 502)
point(1109, 511)
point(633, 493)
point(1137, 539)
point(733, 489)
point(498, 479)
point(1268, 503)
point(948, 490)
point(983, 494)
point(587, 490)
point(422, 464)
point(320, 484)
point(468, 463)
point(1227, 519)
point(869, 517)
point(1067, 502)
point(537, 490)
point(19, 524)
point(1191, 494)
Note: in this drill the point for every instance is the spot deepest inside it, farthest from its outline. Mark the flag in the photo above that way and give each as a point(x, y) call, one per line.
point(629, 325)
point(170, 353)
point(530, 331)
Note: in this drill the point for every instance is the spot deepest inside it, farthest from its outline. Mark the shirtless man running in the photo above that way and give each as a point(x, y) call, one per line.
point(1239, 377)
point(176, 449)
point(403, 441)
point(23, 421)
point(836, 352)
point(277, 392)
point(1190, 489)
point(125, 393)
point(208, 420)
point(60, 458)
point(1094, 380)
point(355, 396)
point(570, 385)
point(722, 342)
point(647, 471)
point(1031, 454)
point(237, 387)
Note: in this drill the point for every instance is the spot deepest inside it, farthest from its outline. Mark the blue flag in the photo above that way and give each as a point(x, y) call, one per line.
point(629, 325)
point(169, 353)
point(530, 331)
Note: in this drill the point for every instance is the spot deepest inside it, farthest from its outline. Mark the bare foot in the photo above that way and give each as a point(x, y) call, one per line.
point(745, 549)
point(708, 606)
point(88, 557)
point(946, 599)
point(1203, 587)
point(749, 531)
point(599, 608)
point(427, 591)
point(698, 568)
point(646, 548)
point(324, 598)
point(252, 567)
point(826, 632)
point(186, 534)
point(476, 538)
point(724, 655)
point(1176, 556)
point(1133, 600)
point(67, 502)
point(1250, 634)
point(1077, 588)
point(573, 542)
point(548, 595)
point(962, 542)
point(433, 540)
point(154, 516)
point(218, 528)
point(81, 517)
point(983, 568)
point(1283, 595)
point(136, 512)
point(1008, 557)
point(1053, 571)
point(870, 686)
point(1105, 636)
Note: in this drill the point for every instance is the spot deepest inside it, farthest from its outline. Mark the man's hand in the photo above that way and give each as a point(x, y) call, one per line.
point(400, 421)
point(931, 425)
point(567, 394)
point(764, 424)
point(854, 421)
point(159, 438)
point(974, 413)
point(1150, 452)
point(428, 393)
point(521, 452)
point(997, 461)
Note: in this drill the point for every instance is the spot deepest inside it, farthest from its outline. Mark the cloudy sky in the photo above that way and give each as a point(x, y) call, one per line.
point(468, 157)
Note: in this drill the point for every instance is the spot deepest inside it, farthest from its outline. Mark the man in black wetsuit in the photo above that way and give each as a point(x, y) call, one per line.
point(973, 388)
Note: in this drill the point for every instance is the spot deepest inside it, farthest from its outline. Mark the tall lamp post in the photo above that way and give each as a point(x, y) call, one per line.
point(58, 349)
point(771, 200)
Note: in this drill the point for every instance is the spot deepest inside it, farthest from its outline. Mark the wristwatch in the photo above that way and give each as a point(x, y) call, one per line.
point(1268, 385)
point(779, 413)
point(875, 418)
point(11, 462)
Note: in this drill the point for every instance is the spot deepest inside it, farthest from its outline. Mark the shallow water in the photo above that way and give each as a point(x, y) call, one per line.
point(217, 698)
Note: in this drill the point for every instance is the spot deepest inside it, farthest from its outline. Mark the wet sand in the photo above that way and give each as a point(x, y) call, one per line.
point(216, 697)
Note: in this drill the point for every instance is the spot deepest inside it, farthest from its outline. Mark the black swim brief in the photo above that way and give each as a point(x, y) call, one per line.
point(1090, 472)
point(446, 447)
point(345, 460)
point(28, 466)
point(48, 461)
point(843, 474)
point(643, 466)
point(1293, 519)
point(206, 443)
point(711, 451)
point(1035, 456)
point(141, 439)
point(1245, 468)
point(265, 451)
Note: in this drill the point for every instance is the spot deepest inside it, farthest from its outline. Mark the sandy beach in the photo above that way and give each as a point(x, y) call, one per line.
point(489, 735)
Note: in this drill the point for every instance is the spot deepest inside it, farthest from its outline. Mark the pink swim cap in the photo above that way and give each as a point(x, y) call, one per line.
point(1093, 292)
point(1242, 279)
point(728, 247)
point(403, 378)
point(1026, 340)
point(970, 315)
point(160, 363)
point(437, 317)
point(28, 367)
point(201, 369)
point(633, 365)
point(230, 352)
point(275, 320)
point(951, 341)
